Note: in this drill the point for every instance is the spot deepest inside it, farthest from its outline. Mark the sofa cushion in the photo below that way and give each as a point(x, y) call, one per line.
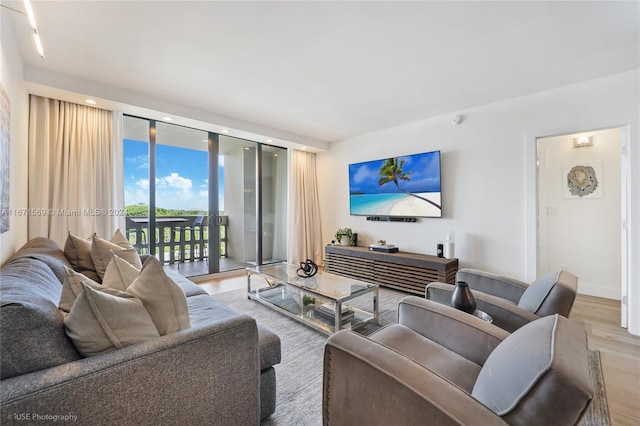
point(99, 322)
point(72, 288)
point(189, 287)
point(539, 374)
point(47, 251)
point(78, 251)
point(270, 347)
point(535, 294)
point(205, 309)
point(162, 297)
point(101, 252)
point(32, 333)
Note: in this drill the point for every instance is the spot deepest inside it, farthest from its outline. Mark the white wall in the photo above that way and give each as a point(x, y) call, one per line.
point(11, 77)
point(488, 175)
point(581, 234)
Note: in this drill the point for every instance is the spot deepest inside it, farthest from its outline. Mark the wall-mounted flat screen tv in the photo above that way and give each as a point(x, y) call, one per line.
point(407, 186)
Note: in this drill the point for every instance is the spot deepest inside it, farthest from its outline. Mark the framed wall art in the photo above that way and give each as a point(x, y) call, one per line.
point(582, 180)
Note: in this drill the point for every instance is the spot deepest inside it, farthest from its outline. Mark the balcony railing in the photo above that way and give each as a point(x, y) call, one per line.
point(178, 239)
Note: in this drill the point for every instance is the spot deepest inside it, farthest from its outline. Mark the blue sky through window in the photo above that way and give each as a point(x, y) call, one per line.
point(182, 179)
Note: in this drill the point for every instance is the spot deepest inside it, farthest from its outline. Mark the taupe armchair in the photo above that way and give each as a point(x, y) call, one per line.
point(441, 366)
point(512, 303)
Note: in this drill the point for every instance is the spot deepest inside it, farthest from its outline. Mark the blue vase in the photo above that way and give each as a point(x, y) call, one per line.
point(462, 298)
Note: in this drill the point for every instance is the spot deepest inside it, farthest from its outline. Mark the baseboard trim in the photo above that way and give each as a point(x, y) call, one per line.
point(599, 291)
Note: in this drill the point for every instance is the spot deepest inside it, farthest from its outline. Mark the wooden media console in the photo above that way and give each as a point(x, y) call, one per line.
point(410, 272)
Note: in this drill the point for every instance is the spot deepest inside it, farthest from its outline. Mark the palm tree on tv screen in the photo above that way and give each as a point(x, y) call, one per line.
point(391, 171)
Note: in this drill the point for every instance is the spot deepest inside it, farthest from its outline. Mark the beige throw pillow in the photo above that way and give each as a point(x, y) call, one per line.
point(162, 297)
point(120, 273)
point(72, 288)
point(101, 322)
point(78, 252)
point(101, 252)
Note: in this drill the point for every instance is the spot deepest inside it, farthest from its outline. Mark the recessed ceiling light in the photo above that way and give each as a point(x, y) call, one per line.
point(205, 140)
point(167, 118)
point(90, 101)
point(304, 148)
point(225, 131)
point(269, 141)
point(275, 155)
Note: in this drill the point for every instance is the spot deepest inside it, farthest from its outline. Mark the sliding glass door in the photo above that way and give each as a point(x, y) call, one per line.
point(182, 197)
point(202, 202)
point(136, 181)
point(238, 202)
point(274, 204)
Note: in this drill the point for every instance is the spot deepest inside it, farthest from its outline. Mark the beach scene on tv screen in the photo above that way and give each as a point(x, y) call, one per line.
point(397, 186)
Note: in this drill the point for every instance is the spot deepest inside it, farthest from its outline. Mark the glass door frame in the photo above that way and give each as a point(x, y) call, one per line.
point(213, 217)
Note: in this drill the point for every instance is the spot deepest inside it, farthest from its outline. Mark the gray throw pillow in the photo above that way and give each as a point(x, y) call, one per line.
point(534, 295)
point(539, 374)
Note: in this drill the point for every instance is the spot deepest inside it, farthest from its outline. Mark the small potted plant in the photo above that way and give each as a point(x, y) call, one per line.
point(308, 303)
point(308, 300)
point(343, 236)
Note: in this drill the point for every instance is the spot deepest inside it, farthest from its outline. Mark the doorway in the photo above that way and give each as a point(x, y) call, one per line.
point(580, 209)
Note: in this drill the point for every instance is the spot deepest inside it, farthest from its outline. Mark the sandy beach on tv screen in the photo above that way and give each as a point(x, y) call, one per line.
point(412, 206)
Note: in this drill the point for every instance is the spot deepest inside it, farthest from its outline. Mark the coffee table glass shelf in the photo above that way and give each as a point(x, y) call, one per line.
point(326, 302)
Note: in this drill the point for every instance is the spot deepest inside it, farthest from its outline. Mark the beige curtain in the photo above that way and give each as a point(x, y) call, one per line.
point(75, 170)
point(305, 236)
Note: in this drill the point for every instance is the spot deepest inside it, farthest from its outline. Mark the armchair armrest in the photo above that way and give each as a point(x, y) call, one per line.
point(206, 375)
point(457, 331)
point(506, 315)
point(367, 383)
point(493, 284)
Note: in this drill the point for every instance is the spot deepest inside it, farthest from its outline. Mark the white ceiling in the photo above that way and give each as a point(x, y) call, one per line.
point(330, 70)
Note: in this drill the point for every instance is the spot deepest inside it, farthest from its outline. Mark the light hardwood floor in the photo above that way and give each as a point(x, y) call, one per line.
point(619, 350)
point(620, 354)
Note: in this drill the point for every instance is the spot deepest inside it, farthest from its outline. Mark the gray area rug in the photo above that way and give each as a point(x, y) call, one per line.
point(299, 375)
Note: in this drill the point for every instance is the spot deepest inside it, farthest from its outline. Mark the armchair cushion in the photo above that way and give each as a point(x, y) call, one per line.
point(539, 374)
point(442, 361)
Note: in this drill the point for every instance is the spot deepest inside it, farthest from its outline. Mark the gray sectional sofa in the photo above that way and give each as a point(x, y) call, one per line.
point(218, 372)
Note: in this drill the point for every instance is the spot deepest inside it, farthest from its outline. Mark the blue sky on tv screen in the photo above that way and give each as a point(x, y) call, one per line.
point(182, 177)
point(423, 169)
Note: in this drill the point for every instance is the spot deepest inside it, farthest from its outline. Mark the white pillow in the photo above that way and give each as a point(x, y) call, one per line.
point(99, 322)
point(120, 273)
point(162, 297)
point(78, 252)
point(71, 288)
point(101, 252)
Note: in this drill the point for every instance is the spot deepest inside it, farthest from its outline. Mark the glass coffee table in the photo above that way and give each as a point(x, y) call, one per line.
point(326, 302)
